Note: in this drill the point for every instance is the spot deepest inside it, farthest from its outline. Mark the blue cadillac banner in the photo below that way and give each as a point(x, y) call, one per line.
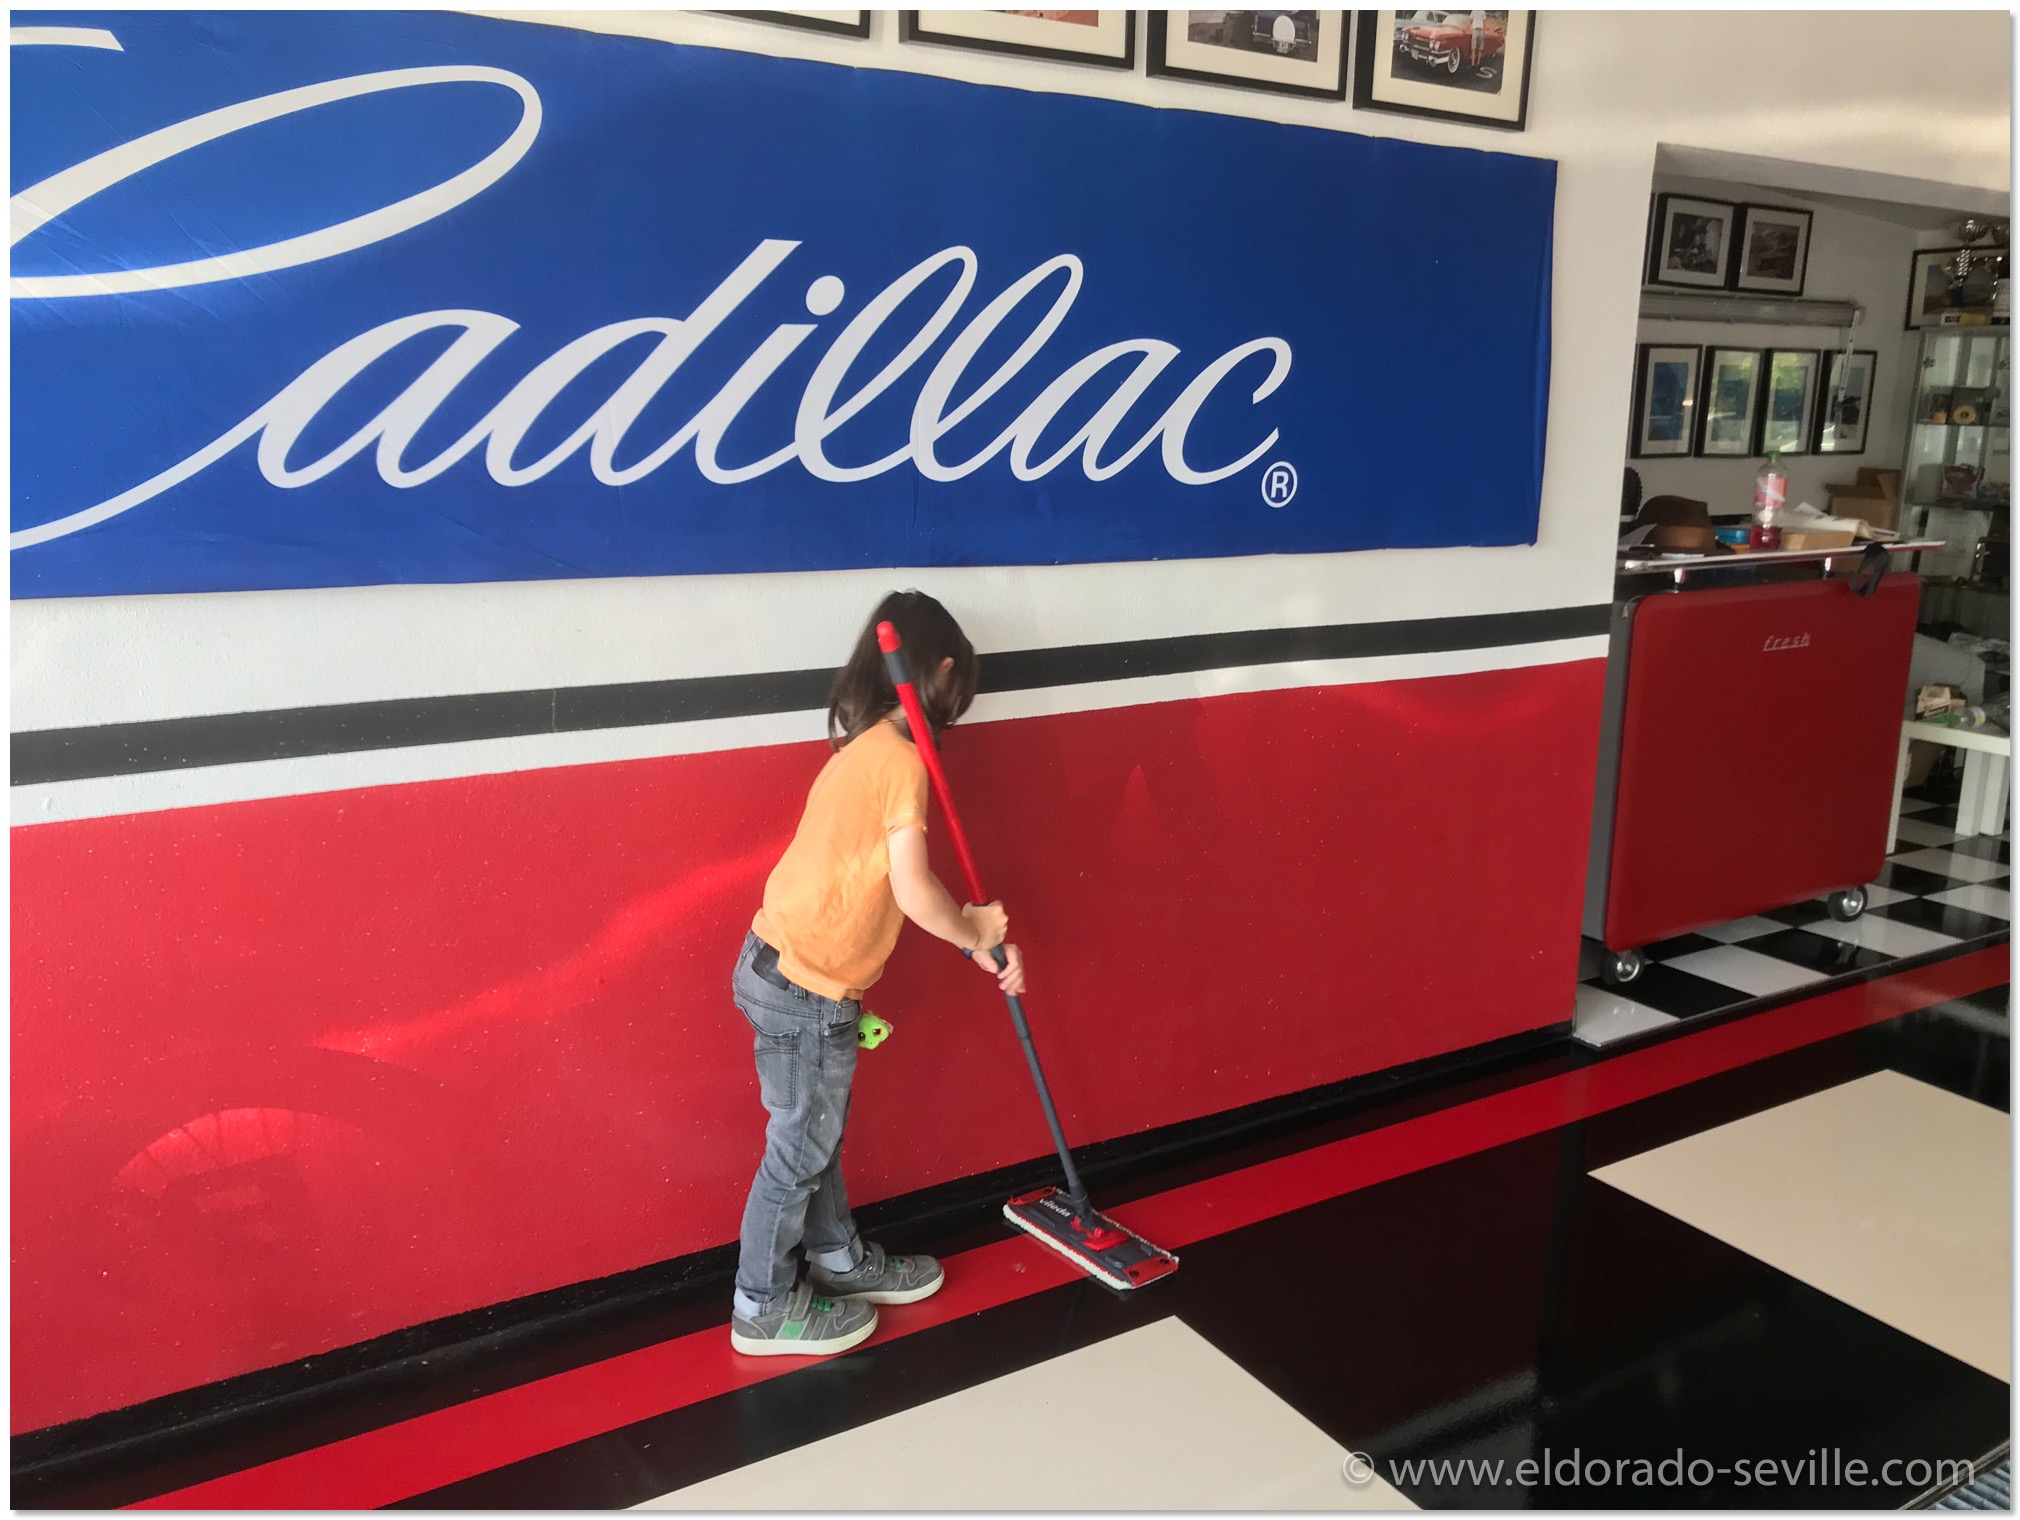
point(307, 299)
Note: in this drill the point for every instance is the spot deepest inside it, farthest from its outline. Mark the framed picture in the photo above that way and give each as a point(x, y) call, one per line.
point(1729, 403)
point(1107, 38)
point(842, 23)
point(1938, 293)
point(1691, 243)
point(1470, 66)
point(1774, 250)
point(1665, 397)
point(1789, 409)
point(1847, 399)
point(1292, 52)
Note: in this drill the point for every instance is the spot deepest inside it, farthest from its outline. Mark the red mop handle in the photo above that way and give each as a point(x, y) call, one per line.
point(922, 736)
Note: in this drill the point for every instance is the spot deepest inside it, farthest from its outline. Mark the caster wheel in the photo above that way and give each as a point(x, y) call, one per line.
point(1846, 905)
point(1622, 967)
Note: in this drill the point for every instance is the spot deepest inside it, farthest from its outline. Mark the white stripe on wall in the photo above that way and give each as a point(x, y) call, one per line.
point(80, 662)
point(156, 791)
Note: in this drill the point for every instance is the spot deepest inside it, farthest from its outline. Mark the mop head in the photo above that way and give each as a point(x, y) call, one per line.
point(1089, 1239)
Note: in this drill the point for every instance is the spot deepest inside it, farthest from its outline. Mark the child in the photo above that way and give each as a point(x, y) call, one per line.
point(856, 869)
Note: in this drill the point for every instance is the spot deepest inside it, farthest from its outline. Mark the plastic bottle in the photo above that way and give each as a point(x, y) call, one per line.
point(1970, 717)
point(1770, 495)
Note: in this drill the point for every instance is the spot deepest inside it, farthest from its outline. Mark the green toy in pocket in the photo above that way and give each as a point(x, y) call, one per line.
point(871, 1031)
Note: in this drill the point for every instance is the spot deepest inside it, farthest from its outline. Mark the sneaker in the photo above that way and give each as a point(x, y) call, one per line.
point(881, 1279)
point(806, 1324)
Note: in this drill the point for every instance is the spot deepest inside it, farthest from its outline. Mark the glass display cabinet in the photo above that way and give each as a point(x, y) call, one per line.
point(1956, 482)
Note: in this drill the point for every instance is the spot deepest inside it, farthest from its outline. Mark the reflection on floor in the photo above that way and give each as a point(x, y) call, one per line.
point(1938, 890)
point(1747, 1264)
point(1154, 1418)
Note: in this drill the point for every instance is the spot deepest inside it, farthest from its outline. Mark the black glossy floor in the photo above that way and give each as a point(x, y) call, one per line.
point(1619, 1280)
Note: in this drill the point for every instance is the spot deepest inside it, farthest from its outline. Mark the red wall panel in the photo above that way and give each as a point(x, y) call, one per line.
point(290, 1074)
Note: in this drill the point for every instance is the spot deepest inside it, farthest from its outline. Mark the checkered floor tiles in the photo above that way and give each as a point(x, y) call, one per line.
point(1938, 890)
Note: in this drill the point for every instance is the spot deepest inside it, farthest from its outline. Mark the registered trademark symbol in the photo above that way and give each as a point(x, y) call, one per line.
point(1280, 484)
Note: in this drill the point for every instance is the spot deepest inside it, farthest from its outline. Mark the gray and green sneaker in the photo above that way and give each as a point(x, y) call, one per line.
point(806, 1324)
point(880, 1278)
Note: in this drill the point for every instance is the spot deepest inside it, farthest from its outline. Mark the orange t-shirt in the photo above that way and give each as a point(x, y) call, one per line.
point(828, 908)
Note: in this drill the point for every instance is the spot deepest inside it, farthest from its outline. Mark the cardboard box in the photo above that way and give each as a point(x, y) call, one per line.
point(1874, 496)
point(1937, 698)
point(1813, 538)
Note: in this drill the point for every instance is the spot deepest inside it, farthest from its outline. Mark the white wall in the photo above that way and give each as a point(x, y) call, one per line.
point(1849, 99)
point(1852, 258)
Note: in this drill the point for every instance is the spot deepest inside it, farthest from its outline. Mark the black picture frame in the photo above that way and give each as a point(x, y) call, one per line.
point(1647, 395)
point(1708, 403)
point(1159, 64)
point(1743, 234)
point(857, 28)
point(1375, 66)
point(1709, 234)
point(910, 29)
point(1805, 426)
point(1828, 402)
point(1920, 316)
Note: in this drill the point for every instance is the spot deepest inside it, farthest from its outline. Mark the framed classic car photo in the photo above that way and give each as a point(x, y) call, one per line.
point(1773, 252)
point(1665, 397)
point(841, 23)
point(1470, 66)
point(1729, 402)
point(1788, 413)
point(1099, 37)
point(1690, 243)
point(1292, 52)
point(1847, 401)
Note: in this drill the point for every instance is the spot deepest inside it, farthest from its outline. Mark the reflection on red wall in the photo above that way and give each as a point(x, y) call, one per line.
point(291, 1074)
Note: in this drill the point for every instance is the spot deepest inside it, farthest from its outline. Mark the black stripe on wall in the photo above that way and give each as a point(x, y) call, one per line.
point(125, 749)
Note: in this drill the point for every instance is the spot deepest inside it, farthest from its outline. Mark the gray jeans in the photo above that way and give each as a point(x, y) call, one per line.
point(806, 1059)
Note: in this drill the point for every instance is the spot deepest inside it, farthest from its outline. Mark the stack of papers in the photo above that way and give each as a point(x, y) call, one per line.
point(1804, 518)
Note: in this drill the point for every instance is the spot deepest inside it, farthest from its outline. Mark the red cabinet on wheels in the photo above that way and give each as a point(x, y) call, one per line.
point(1748, 753)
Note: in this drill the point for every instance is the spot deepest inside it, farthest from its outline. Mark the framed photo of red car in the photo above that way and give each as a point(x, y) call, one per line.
point(1291, 52)
point(1469, 66)
point(1099, 37)
point(1665, 399)
point(1773, 251)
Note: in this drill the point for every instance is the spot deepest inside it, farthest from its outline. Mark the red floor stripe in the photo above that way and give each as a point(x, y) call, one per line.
point(398, 1461)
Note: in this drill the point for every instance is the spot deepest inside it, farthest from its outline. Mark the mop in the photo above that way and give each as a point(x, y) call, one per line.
point(1061, 1219)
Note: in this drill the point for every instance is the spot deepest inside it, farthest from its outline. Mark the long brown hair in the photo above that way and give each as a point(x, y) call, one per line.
point(863, 692)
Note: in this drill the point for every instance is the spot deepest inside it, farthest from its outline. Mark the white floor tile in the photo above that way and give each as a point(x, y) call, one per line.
point(1603, 1015)
point(1883, 935)
point(1917, 805)
point(1879, 897)
point(1996, 901)
point(1886, 1193)
point(1748, 970)
point(1915, 831)
point(1153, 1419)
point(1742, 928)
point(1950, 863)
